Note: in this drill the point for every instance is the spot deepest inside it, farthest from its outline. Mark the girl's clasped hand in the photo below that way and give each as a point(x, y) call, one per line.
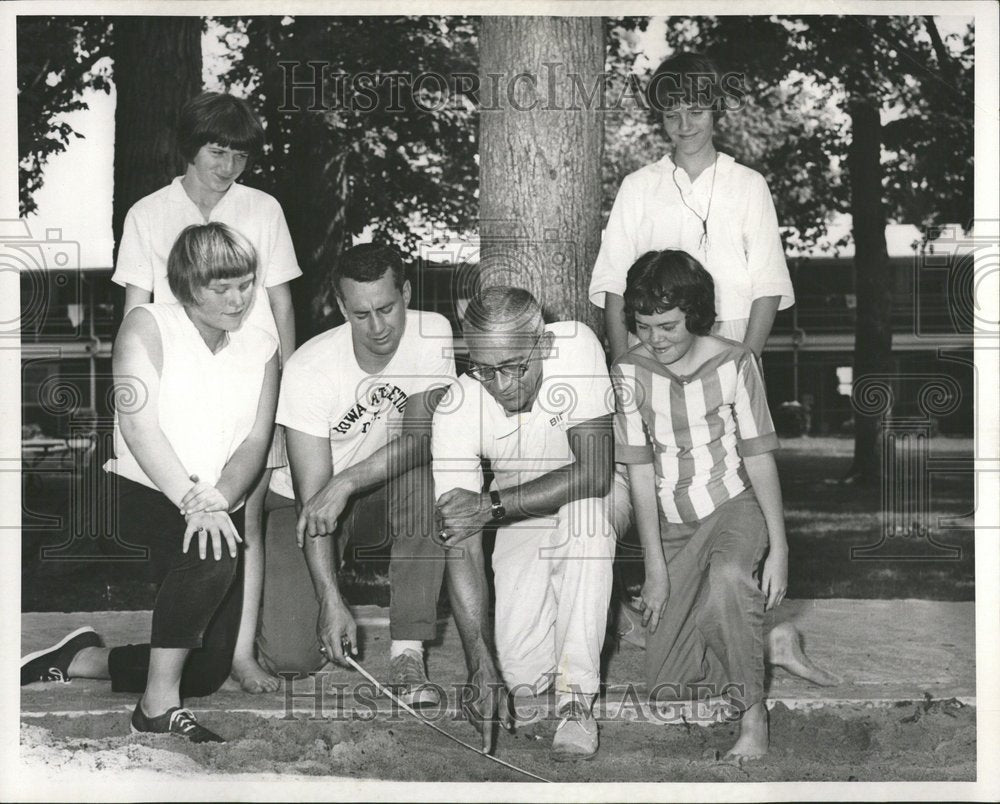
point(205, 508)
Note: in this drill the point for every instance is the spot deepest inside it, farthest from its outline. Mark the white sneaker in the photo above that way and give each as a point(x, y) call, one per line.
point(576, 735)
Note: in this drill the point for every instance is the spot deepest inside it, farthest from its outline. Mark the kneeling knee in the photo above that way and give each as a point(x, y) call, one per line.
point(586, 522)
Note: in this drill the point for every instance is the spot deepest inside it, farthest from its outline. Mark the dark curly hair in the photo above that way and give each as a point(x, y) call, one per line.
point(661, 280)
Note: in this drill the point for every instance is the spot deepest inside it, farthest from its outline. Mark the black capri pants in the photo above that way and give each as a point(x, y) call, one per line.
point(198, 602)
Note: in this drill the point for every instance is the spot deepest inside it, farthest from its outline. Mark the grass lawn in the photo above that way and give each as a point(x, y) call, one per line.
point(825, 519)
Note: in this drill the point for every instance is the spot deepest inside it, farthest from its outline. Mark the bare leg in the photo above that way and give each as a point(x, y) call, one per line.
point(163, 683)
point(469, 598)
point(783, 648)
point(753, 740)
point(251, 676)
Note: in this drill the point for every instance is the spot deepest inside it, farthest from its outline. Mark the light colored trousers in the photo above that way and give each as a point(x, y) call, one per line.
point(553, 581)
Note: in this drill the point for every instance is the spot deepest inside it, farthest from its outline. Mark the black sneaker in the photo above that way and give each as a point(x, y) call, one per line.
point(174, 721)
point(52, 664)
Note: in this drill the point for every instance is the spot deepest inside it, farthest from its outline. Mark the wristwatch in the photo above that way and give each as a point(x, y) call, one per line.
point(497, 510)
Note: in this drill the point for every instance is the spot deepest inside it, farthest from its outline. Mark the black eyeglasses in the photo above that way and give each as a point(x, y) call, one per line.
point(512, 371)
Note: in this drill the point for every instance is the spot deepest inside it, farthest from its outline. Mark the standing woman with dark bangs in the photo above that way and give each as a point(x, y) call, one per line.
point(219, 136)
point(198, 387)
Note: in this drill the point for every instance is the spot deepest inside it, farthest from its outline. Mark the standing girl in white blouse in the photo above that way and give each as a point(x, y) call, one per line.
point(699, 201)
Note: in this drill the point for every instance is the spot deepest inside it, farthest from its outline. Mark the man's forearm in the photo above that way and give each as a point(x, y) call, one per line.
point(469, 598)
point(588, 476)
point(319, 560)
point(412, 447)
point(545, 495)
point(394, 459)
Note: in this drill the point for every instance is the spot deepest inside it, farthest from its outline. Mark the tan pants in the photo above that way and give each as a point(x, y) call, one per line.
point(710, 640)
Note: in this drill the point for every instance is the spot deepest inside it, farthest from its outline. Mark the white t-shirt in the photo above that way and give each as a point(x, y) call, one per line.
point(470, 424)
point(207, 403)
point(154, 222)
point(743, 255)
point(325, 393)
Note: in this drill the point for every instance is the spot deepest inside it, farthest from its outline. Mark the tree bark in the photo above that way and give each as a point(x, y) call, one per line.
point(872, 276)
point(540, 158)
point(157, 68)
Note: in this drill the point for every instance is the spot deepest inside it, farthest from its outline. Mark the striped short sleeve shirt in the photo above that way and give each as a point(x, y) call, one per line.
point(695, 429)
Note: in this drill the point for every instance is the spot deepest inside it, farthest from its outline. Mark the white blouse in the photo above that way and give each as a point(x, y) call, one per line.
point(207, 403)
point(743, 251)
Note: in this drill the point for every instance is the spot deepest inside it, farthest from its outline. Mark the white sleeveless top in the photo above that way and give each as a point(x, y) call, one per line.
point(207, 403)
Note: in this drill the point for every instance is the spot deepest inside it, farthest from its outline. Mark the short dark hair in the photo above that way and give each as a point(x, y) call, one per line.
point(203, 252)
point(215, 117)
point(368, 262)
point(663, 280)
point(691, 78)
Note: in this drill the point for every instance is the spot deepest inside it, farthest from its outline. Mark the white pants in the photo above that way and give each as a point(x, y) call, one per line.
point(553, 581)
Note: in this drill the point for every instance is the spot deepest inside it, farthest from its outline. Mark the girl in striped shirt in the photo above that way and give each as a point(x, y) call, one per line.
point(694, 429)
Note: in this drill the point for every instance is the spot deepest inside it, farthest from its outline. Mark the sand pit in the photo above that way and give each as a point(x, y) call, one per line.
point(905, 712)
point(912, 741)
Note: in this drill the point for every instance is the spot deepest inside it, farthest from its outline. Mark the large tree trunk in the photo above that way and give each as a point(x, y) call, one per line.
point(157, 67)
point(540, 159)
point(873, 279)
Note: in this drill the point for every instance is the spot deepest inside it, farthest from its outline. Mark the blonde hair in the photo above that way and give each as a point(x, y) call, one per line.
point(203, 252)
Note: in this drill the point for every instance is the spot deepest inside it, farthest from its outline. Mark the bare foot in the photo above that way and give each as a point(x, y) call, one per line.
point(753, 739)
point(784, 649)
point(252, 677)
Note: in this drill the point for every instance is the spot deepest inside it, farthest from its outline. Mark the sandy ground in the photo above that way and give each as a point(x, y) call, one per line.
point(932, 741)
point(905, 711)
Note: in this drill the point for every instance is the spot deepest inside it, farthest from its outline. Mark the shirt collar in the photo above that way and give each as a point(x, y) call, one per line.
point(722, 165)
point(501, 424)
point(178, 195)
point(176, 192)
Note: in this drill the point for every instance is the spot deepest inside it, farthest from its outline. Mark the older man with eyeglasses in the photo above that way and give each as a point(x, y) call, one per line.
point(537, 404)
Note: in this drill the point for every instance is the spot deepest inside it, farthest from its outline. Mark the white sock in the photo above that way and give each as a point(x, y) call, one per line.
point(399, 645)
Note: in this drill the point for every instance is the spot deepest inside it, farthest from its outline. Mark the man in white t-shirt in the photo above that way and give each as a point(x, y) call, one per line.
point(537, 404)
point(356, 402)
